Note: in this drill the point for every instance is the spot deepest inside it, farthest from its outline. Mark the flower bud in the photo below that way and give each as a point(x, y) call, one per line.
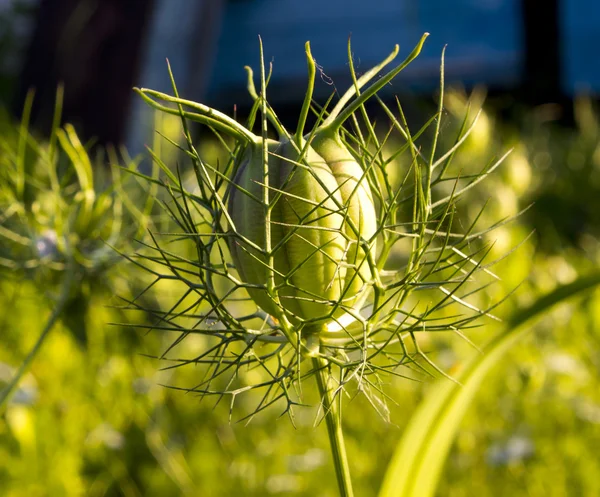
point(318, 214)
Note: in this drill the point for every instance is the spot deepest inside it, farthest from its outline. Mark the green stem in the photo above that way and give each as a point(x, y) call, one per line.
point(283, 134)
point(22, 145)
point(358, 84)
point(308, 97)
point(334, 426)
point(206, 115)
point(266, 200)
point(338, 120)
point(58, 309)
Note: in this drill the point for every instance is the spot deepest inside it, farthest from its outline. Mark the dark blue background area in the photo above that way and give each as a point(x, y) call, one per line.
point(580, 45)
point(483, 38)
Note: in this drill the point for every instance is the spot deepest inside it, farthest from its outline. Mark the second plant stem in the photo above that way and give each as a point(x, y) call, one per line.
point(59, 307)
point(331, 412)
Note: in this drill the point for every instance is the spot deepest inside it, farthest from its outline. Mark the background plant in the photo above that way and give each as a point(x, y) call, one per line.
point(59, 218)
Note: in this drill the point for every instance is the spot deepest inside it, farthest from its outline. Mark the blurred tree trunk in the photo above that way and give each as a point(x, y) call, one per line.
point(542, 38)
point(92, 47)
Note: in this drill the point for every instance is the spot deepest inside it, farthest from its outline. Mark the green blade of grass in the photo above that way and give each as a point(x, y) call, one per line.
point(420, 455)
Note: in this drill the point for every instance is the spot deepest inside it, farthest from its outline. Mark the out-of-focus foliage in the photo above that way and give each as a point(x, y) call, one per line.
point(64, 211)
point(534, 424)
point(423, 449)
point(96, 420)
point(567, 165)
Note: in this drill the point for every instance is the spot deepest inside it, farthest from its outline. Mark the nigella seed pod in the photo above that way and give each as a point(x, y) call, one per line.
point(302, 227)
point(315, 258)
point(361, 225)
point(311, 220)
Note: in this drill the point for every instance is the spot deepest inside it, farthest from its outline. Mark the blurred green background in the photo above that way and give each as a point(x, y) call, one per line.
point(93, 416)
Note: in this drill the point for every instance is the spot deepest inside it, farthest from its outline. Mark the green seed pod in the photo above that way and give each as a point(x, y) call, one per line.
point(317, 210)
point(303, 237)
point(358, 200)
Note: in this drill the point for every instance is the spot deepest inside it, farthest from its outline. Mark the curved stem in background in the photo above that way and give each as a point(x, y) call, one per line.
point(56, 313)
point(333, 420)
point(417, 463)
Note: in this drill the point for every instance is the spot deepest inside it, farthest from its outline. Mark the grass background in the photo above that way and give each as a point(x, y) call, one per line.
point(92, 417)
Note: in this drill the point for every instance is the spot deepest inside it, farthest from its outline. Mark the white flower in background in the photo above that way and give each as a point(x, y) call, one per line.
point(46, 244)
point(516, 449)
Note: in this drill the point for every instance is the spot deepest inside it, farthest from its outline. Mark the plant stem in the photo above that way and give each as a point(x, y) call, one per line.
point(338, 120)
point(334, 426)
point(6, 393)
point(308, 97)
